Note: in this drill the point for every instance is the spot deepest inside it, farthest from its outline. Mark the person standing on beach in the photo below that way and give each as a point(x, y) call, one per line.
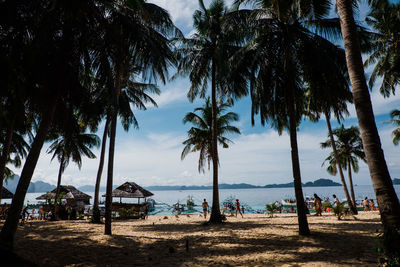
point(372, 204)
point(317, 205)
point(238, 208)
point(336, 201)
point(366, 204)
point(205, 208)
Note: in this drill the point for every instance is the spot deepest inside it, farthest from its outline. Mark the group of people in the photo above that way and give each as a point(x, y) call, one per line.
point(238, 208)
point(368, 204)
point(318, 204)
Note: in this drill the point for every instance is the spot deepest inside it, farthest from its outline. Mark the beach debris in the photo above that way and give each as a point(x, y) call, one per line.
point(188, 215)
point(176, 216)
point(153, 223)
point(165, 218)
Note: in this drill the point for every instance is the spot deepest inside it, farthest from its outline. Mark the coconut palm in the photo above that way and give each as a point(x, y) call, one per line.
point(203, 57)
point(200, 136)
point(138, 33)
point(290, 47)
point(134, 95)
point(329, 92)
point(387, 199)
point(71, 144)
point(384, 18)
point(54, 46)
point(349, 150)
point(395, 115)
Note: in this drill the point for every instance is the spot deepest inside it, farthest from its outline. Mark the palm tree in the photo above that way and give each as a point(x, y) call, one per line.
point(387, 199)
point(200, 136)
point(396, 121)
point(289, 48)
point(71, 144)
point(204, 58)
point(349, 149)
point(384, 18)
point(54, 46)
point(139, 33)
point(328, 93)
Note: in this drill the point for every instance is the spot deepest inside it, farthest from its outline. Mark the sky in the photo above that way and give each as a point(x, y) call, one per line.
point(150, 155)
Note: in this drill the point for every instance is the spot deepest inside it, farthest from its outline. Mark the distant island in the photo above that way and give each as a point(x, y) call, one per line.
point(40, 186)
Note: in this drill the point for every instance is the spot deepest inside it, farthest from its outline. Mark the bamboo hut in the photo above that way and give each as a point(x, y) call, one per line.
point(130, 190)
point(71, 195)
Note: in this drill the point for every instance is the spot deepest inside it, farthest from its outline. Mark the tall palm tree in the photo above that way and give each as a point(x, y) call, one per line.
point(54, 47)
point(71, 144)
point(387, 199)
point(203, 57)
point(290, 46)
point(328, 93)
point(139, 33)
point(200, 136)
point(395, 115)
point(384, 18)
point(350, 149)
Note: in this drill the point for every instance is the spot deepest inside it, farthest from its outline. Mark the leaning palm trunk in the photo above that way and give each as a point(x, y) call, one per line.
point(351, 185)
point(10, 226)
point(339, 166)
point(386, 197)
point(215, 212)
point(301, 208)
point(96, 211)
point(6, 152)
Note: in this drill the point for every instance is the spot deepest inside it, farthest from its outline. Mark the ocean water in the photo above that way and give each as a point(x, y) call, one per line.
point(252, 199)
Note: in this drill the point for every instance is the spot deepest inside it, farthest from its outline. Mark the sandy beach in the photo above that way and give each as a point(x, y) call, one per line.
point(255, 240)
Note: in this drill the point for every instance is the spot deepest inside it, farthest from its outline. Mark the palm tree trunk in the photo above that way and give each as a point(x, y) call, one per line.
point(96, 211)
point(107, 215)
point(386, 197)
point(351, 185)
point(60, 171)
point(111, 149)
point(301, 207)
point(215, 212)
point(339, 165)
point(6, 152)
point(10, 226)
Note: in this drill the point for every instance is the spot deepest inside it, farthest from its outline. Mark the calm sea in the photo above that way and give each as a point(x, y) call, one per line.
point(252, 199)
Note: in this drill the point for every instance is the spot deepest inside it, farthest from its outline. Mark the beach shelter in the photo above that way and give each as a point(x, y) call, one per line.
point(5, 194)
point(131, 190)
point(72, 195)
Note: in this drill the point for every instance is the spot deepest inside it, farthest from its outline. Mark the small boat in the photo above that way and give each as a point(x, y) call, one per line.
point(178, 208)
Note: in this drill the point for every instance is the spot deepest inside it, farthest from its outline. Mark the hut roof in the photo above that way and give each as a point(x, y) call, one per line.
point(70, 193)
point(131, 190)
point(5, 194)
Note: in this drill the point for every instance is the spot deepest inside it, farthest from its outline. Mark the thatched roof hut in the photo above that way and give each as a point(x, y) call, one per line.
point(5, 194)
point(71, 194)
point(130, 190)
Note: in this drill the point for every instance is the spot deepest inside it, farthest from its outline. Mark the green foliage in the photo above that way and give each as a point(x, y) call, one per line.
point(126, 213)
point(339, 210)
point(271, 209)
point(200, 136)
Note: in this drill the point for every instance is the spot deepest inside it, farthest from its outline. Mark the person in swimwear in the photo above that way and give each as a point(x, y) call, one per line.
point(238, 208)
point(205, 208)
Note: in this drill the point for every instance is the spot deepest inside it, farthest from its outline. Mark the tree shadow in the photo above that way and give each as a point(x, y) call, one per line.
point(251, 242)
